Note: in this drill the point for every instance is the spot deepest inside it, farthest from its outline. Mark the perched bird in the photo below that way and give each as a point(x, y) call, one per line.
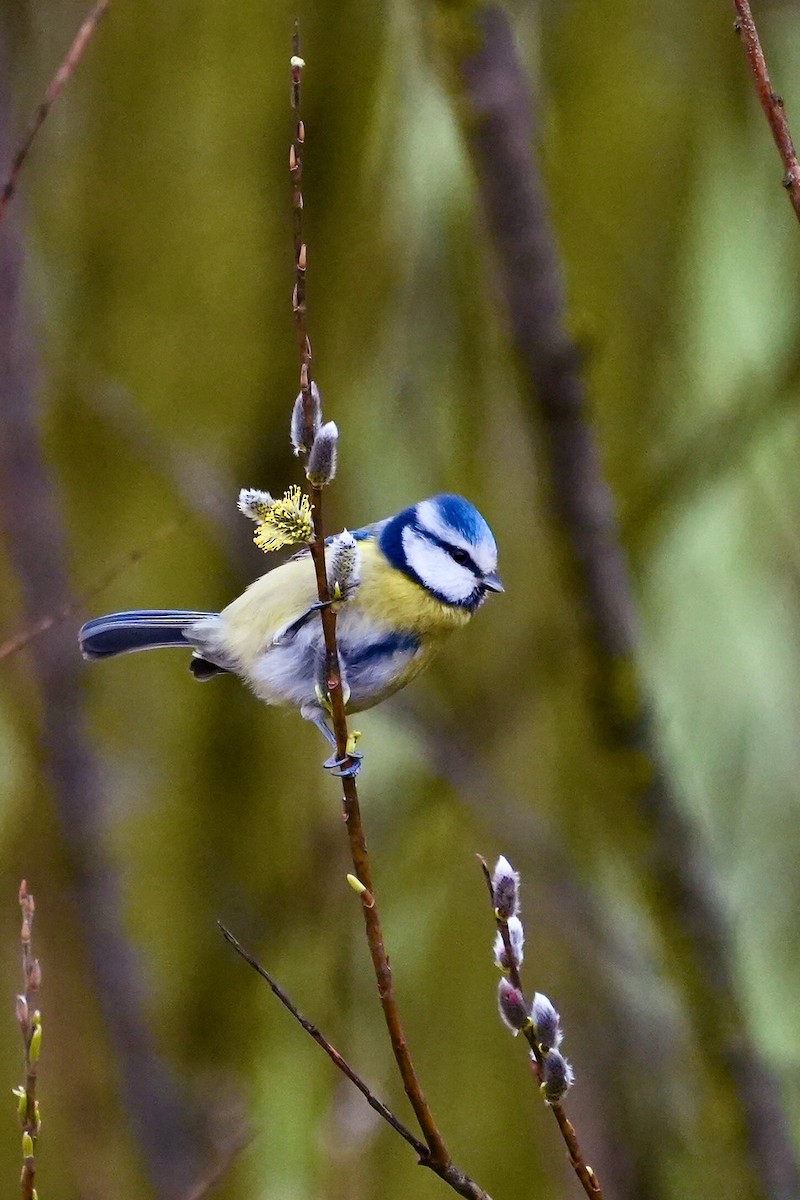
point(415, 578)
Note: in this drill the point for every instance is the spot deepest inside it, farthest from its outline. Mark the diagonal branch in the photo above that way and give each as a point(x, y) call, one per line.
point(333, 1054)
point(771, 102)
point(456, 1179)
point(18, 641)
point(57, 85)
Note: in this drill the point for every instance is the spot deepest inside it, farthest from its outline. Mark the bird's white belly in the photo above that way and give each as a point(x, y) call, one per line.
point(375, 661)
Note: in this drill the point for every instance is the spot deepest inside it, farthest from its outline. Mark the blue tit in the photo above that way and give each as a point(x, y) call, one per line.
point(419, 575)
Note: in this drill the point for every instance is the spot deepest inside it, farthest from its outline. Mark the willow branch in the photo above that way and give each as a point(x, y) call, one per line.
point(57, 85)
point(230, 1152)
point(29, 1021)
point(333, 1054)
point(771, 102)
point(19, 641)
point(586, 1175)
point(447, 1171)
point(333, 674)
point(33, 528)
point(500, 128)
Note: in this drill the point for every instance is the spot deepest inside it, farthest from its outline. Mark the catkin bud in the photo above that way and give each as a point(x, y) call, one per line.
point(517, 935)
point(517, 938)
point(21, 1009)
point(546, 1022)
point(34, 973)
point(344, 564)
point(298, 431)
point(505, 889)
point(321, 467)
point(511, 1006)
point(557, 1076)
point(254, 503)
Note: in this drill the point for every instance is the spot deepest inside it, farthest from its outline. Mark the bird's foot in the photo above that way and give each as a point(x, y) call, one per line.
point(348, 766)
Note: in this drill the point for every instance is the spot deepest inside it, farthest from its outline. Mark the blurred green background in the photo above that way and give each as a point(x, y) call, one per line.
point(156, 221)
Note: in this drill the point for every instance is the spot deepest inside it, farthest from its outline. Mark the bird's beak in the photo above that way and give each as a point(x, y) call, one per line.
point(492, 582)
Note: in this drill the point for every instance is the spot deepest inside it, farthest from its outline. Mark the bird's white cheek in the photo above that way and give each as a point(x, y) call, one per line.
point(437, 570)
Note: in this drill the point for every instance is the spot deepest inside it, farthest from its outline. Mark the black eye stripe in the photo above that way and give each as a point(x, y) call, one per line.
point(464, 559)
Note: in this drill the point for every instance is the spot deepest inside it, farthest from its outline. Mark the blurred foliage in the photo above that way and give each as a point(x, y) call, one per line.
point(158, 227)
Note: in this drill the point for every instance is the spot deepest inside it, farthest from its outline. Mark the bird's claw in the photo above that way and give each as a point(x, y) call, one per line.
point(346, 767)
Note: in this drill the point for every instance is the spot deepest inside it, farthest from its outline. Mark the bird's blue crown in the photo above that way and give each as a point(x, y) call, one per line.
point(446, 546)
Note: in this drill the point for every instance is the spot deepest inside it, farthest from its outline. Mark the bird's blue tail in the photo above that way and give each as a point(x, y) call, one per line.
point(121, 633)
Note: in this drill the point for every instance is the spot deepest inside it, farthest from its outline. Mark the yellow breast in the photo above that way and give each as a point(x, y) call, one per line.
point(392, 599)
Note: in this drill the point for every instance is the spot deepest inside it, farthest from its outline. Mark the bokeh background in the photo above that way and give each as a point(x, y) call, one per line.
point(154, 224)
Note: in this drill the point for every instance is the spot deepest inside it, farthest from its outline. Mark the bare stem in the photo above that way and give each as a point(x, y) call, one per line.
point(333, 675)
point(30, 1028)
point(57, 85)
point(18, 641)
point(451, 1175)
point(588, 1179)
point(210, 1183)
point(32, 518)
point(771, 102)
point(333, 1054)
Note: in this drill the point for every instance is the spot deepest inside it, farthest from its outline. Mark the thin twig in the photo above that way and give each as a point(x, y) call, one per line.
point(588, 1179)
point(333, 675)
point(33, 526)
point(29, 1021)
point(771, 102)
point(208, 1185)
point(19, 640)
point(57, 85)
point(456, 1179)
point(333, 1054)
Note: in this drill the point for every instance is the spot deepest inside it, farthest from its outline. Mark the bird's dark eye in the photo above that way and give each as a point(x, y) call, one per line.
point(460, 556)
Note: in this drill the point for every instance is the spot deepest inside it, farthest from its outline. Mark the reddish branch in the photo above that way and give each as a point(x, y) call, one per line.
point(771, 102)
point(456, 1179)
point(33, 528)
point(57, 85)
point(18, 641)
point(333, 682)
point(28, 1018)
point(588, 1179)
point(333, 1054)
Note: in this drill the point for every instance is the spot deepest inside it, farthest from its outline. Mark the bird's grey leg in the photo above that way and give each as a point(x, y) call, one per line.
point(341, 767)
point(322, 725)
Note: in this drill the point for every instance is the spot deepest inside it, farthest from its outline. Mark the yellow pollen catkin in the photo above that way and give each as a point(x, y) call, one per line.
point(285, 522)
